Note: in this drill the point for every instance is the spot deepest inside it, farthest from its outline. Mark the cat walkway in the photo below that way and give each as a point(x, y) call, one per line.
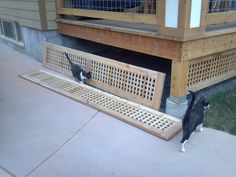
point(147, 119)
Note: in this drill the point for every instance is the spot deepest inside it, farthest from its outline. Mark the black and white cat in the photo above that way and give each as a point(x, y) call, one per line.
point(193, 119)
point(78, 73)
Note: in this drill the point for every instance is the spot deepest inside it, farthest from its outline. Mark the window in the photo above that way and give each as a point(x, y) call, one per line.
point(10, 31)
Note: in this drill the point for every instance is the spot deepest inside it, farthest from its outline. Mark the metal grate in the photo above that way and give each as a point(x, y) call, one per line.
point(152, 121)
point(130, 6)
point(128, 81)
point(221, 5)
point(208, 70)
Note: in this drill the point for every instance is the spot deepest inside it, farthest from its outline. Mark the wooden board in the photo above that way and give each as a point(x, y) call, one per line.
point(149, 120)
point(133, 83)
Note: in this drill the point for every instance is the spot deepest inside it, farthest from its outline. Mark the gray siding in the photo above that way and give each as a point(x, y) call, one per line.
point(27, 13)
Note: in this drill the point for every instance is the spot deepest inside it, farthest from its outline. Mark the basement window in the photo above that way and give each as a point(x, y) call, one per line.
point(10, 31)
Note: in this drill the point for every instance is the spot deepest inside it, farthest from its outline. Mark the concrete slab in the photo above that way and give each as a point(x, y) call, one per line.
point(107, 147)
point(43, 134)
point(34, 121)
point(3, 173)
point(13, 63)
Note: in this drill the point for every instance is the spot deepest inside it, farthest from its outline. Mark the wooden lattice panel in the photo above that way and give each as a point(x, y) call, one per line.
point(209, 70)
point(127, 81)
point(152, 121)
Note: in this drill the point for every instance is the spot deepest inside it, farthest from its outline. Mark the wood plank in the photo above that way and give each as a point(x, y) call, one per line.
point(127, 81)
point(208, 46)
point(149, 120)
point(145, 44)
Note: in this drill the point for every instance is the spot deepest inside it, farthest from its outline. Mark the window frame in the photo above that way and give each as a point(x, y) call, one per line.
point(17, 31)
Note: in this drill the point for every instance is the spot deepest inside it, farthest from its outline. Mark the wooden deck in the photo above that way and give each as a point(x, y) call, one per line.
point(194, 37)
point(147, 39)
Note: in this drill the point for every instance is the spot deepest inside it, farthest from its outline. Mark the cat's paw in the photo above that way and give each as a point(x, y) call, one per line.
point(182, 148)
point(200, 128)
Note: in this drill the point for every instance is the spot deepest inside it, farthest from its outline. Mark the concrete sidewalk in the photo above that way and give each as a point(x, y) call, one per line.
point(43, 134)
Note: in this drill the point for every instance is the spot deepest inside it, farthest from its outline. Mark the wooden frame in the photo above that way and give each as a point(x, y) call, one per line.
point(182, 33)
point(119, 16)
point(127, 81)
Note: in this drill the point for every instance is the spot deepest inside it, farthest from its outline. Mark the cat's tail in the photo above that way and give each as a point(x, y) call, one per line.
point(68, 58)
point(187, 114)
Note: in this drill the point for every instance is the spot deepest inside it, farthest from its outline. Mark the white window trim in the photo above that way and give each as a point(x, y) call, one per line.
point(17, 41)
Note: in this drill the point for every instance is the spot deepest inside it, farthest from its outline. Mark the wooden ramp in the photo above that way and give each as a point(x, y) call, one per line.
point(147, 119)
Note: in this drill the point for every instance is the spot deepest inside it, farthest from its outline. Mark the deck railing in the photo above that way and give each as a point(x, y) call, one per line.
point(137, 11)
point(221, 11)
point(128, 6)
point(221, 6)
point(193, 15)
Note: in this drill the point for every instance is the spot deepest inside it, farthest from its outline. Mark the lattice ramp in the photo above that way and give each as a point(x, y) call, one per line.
point(152, 121)
point(134, 83)
point(209, 70)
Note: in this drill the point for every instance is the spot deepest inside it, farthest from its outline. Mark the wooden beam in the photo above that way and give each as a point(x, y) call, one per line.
point(149, 45)
point(208, 46)
point(59, 4)
point(179, 78)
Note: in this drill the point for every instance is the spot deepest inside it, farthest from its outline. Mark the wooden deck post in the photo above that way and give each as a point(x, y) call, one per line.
point(59, 5)
point(179, 78)
point(176, 104)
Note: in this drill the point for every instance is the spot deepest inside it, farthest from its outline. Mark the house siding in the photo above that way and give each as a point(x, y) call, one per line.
point(30, 13)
